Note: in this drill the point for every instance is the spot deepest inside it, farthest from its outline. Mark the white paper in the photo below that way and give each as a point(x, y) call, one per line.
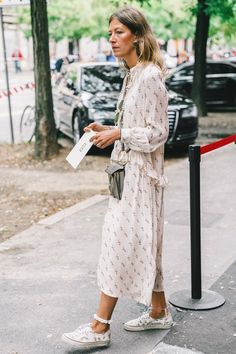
point(80, 149)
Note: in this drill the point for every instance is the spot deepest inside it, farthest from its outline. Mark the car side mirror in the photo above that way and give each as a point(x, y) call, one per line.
point(173, 78)
point(76, 91)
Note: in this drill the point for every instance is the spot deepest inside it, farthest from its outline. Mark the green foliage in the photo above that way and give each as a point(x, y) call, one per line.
point(168, 19)
point(175, 19)
point(223, 17)
point(222, 30)
point(145, 2)
point(68, 19)
point(99, 16)
point(24, 20)
point(222, 8)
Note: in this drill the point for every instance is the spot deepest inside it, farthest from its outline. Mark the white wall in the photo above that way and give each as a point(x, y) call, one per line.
point(15, 39)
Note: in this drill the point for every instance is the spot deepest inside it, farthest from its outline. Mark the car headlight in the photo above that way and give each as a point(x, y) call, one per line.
point(189, 112)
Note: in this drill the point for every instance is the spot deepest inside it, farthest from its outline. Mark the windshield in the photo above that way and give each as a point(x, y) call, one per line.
point(101, 78)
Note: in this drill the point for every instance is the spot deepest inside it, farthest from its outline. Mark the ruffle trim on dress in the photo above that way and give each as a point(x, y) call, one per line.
point(159, 180)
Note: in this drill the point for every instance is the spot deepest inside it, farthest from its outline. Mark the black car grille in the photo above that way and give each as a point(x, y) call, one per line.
point(172, 118)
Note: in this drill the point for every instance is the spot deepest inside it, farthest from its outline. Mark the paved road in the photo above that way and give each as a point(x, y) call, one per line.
point(18, 102)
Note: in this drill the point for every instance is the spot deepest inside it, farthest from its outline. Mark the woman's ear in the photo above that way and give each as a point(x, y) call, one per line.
point(135, 39)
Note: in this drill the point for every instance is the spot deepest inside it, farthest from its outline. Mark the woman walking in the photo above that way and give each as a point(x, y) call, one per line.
point(130, 261)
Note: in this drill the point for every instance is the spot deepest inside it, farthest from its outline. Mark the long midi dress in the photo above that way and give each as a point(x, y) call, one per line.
point(130, 261)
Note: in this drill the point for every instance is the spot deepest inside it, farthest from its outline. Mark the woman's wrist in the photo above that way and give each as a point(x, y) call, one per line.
point(116, 130)
point(118, 133)
point(111, 127)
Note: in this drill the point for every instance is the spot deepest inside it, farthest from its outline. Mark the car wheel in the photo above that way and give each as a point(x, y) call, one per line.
point(77, 127)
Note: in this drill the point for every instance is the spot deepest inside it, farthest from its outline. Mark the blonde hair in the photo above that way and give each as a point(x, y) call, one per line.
point(147, 48)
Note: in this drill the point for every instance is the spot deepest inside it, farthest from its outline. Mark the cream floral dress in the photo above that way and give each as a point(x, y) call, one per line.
point(130, 261)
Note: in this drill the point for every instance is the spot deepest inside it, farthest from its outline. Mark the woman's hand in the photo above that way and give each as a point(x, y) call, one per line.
point(95, 127)
point(105, 137)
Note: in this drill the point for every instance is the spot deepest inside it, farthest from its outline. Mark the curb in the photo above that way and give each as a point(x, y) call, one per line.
point(53, 219)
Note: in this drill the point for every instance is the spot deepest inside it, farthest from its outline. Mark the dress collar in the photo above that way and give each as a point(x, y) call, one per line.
point(135, 68)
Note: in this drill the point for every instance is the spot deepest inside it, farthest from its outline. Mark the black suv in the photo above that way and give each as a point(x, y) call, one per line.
point(89, 92)
point(220, 82)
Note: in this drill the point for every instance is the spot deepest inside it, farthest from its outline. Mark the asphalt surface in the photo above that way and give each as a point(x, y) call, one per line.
point(211, 331)
point(48, 272)
point(19, 99)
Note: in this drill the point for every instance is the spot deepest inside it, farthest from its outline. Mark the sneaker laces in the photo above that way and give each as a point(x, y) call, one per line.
point(83, 328)
point(143, 319)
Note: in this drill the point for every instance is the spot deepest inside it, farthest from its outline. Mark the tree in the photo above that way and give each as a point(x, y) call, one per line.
point(68, 19)
point(213, 17)
point(168, 19)
point(45, 134)
point(201, 36)
point(101, 10)
point(205, 10)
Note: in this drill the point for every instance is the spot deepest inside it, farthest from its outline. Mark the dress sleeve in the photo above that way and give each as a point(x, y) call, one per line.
point(155, 132)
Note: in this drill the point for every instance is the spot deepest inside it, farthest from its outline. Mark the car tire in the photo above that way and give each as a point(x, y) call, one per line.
point(77, 127)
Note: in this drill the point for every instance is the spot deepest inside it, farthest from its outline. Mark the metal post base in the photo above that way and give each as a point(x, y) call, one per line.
point(210, 300)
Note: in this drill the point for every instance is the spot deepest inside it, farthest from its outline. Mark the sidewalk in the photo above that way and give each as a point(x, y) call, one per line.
point(48, 272)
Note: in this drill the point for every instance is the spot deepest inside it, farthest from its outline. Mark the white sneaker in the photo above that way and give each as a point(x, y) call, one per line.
point(85, 338)
point(145, 322)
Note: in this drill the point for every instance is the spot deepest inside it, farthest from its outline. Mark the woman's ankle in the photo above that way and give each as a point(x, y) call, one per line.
point(157, 312)
point(99, 327)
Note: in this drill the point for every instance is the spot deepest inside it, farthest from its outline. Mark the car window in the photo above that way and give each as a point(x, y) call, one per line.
point(71, 74)
point(186, 71)
point(101, 78)
point(68, 74)
point(220, 68)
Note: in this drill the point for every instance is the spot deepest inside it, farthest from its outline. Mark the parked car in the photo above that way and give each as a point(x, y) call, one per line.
point(89, 92)
point(232, 60)
point(220, 82)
